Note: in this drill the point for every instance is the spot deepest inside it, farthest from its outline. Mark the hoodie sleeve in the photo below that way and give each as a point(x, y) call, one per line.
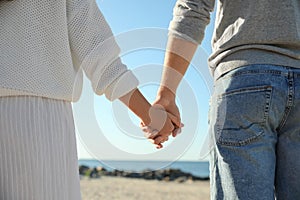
point(190, 18)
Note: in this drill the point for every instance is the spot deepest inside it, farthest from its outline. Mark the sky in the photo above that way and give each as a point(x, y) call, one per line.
point(107, 130)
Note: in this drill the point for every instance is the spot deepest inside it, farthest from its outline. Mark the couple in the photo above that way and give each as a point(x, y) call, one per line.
point(254, 112)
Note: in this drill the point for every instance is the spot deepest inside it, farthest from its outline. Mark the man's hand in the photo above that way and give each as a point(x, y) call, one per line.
point(160, 127)
point(171, 108)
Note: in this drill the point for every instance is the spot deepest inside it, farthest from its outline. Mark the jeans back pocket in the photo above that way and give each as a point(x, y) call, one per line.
point(241, 114)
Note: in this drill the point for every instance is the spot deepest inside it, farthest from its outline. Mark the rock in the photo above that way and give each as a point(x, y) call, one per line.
point(181, 179)
point(196, 178)
point(167, 178)
point(94, 173)
point(83, 169)
point(133, 175)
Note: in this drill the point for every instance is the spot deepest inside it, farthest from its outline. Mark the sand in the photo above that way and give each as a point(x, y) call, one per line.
point(116, 188)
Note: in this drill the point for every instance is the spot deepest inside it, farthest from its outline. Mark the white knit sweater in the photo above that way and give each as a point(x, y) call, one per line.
point(46, 44)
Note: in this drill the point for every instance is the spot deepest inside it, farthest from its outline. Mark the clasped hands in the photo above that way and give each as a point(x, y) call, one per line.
point(165, 121)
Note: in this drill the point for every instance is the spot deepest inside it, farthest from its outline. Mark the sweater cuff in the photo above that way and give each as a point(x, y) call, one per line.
point(125, 83)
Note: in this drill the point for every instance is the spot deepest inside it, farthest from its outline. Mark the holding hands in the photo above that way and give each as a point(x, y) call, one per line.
point(162, 119)
point(159, 121)
point(165, 119)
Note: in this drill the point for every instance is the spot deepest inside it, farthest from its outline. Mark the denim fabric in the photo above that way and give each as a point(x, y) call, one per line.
point(255, 129)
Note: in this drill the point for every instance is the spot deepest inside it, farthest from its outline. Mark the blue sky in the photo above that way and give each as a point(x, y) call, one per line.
point(103, 128)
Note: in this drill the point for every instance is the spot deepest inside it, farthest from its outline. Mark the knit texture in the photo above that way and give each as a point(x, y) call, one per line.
point(246, 32)
point(46, 45)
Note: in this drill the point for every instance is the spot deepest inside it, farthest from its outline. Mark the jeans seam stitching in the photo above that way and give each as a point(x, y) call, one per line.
point(289, 103)
point(250, 72)
point(268, 103)
point(244, 142)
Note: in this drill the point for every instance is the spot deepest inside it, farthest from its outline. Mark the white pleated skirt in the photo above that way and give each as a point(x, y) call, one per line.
point(38, 158)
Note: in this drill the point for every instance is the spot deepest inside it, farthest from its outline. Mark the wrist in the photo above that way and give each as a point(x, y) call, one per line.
point(137, 103)
point(166, 94)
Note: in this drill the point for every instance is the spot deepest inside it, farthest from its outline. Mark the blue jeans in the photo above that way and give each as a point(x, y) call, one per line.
point(255, 129)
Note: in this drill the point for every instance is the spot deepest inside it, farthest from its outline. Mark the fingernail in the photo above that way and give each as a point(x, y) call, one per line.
point(182, 125)
point(177, 131)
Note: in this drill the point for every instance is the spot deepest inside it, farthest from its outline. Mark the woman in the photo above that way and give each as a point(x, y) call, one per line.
point(45, 45)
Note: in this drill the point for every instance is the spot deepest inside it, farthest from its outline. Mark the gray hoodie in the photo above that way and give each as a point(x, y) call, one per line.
point(246, 31)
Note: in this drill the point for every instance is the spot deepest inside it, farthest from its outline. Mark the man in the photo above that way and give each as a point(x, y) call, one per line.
point(255, 108)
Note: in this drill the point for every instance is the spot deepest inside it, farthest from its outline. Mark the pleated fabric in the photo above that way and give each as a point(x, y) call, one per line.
point(38, 158)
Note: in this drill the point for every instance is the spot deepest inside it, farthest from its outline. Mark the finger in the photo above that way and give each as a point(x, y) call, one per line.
point(165, 139)
point(142, 124)
point(149, 132)
point(152, 141)
point(160, 139)
point(176, 132)
point(174, 117)
point(158, 146)
point(149, 135)
point(146, 129)
point(175, 120)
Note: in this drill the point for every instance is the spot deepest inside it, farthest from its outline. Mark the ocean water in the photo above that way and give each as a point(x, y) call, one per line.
point(199, 169)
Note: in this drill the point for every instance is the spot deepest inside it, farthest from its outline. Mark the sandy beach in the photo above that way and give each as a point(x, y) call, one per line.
point(117, 188)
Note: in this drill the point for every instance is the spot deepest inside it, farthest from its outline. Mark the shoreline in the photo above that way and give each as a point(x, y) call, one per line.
point(159, 175)
point(198, 169)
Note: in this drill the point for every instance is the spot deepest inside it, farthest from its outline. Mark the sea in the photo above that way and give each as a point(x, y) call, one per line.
point(199, 169)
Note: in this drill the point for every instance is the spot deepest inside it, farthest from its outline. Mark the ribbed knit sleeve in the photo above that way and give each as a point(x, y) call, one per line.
point(190, 18)
point(95, 50)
